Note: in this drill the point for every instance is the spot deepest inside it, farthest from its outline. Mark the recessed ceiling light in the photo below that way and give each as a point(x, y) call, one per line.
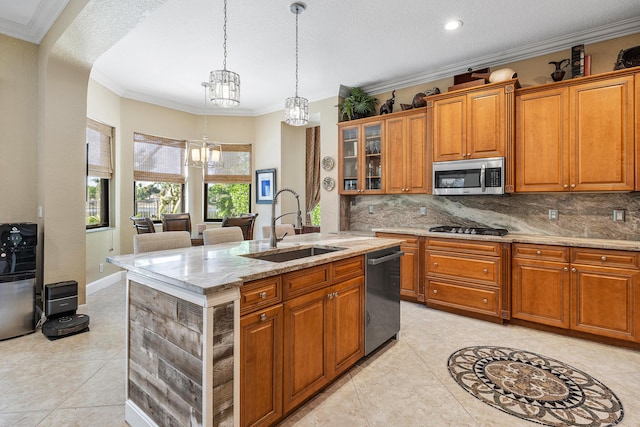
point(452, 25)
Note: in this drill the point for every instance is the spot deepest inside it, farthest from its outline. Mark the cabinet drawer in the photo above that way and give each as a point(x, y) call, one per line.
point(468, 298)
point(408, 239)
point(464, 246)
point(486, 270)
point(541, 252)
point(604, 257)
point(260, 293)
point(347, 269)
point(306, 280)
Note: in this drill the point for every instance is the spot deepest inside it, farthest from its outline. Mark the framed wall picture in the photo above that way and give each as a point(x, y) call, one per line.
point(265, 185)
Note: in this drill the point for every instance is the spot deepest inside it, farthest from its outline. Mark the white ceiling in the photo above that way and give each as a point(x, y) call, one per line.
point(377, 44)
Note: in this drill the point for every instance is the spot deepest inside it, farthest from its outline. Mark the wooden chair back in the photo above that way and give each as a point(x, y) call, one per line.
point(176, 222)
point(143, 225)
point(245, 221)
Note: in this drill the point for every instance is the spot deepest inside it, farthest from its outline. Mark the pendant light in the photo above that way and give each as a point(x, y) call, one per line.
point(200, 152)
point(296, 109)
point(224, 85)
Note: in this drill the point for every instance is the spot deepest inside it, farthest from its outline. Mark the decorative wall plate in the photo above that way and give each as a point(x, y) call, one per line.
point(328, 183)
point(327, 163)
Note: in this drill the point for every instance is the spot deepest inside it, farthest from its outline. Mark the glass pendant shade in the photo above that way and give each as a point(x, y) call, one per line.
point(296, 111)
point(224, 88)
point(196, 153)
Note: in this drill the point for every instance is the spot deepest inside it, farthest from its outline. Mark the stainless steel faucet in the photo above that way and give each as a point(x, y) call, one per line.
point(273, 239)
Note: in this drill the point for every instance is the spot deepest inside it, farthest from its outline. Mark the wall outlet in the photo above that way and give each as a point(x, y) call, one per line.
point(553, 214)
point(618, 215)
point(423, 210)
point(101, 268)
point(370, 209)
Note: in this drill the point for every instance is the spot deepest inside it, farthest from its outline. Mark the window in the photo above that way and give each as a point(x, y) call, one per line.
point(227, 189)
point(159, 175)
point(99, 174)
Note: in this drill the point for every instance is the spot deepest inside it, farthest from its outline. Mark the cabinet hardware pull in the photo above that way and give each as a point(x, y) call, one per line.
point(538, 253)
point(574, 269)
point(263, 317)
point(565, 186)
point(468, 154)
point(573, 186)
point(604, 258)
point(485, 271)
point(330, 296)
point(485, 300)
point(262, 295)
point(435, 291)
point(435, 264)
point(566, 269)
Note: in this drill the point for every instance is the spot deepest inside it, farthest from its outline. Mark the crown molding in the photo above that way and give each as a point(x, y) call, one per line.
point(34, 31)
point(594, 35)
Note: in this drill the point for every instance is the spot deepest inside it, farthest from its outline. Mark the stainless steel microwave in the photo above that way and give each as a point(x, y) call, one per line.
point(473, 176)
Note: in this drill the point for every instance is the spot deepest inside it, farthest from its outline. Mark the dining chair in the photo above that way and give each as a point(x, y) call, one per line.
point(213, 236)
point(245, 221)
point(143, 225)
point(160, 241)
point(280, 230)
point(176, 222)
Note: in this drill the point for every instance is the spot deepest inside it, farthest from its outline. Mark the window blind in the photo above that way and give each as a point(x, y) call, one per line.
point(99, 150)
point(158, 159)
point(236, 165)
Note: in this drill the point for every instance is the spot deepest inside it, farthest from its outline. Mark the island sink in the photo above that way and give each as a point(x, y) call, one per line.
point(291, 254)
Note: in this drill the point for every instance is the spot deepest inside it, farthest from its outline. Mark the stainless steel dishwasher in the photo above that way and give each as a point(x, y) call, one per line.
point(382, 297)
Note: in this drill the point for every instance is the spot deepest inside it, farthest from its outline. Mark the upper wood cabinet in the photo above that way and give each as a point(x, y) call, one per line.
point(360, 151)
point(577, 135)
point(407, 169)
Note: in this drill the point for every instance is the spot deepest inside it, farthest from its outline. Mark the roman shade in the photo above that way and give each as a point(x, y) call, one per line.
point(158, 159)
point(99, 150)
point(235, 166)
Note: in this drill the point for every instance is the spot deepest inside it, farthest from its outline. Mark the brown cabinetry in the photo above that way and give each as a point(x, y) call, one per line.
point(361, 157)
point(586, 290)
point(411, 284)
point(406, 169)
point(316, 333)
point(468, 276)
point(576, 135)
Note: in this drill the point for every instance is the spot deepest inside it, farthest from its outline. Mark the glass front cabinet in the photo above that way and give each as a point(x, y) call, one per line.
point(360, 154)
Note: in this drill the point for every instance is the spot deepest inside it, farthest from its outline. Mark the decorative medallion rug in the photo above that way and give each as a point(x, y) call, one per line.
point(534, 387)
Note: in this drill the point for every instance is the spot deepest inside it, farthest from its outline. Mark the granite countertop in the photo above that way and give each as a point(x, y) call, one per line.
point(625, 245)
point(208, 269)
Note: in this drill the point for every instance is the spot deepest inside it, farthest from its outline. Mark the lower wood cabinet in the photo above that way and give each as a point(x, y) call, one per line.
point(411, 284)
point(261, 367)
point(588, 290)
point(312, 332)
point(468, 276)
point(323, 336)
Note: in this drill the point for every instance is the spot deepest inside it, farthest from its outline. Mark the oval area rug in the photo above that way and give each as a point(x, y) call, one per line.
point(534, 387)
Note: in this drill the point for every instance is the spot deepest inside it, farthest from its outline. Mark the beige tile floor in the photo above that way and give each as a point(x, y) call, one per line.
point(79, 380)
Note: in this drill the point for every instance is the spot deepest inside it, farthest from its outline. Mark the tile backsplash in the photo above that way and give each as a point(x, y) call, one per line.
point(579, 215)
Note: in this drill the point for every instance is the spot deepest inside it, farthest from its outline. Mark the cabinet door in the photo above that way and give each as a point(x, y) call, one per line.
point(540, 292)
point(371, 166)
point(396, 157)
point(486, 132)
point(542, 132)
point(305, 347)
point(602, 135)
point(449, 117)
point(415, 164)
point(348, 153)
point(346, 324)
point(261, 367)
point(605, 301)
point(410, 273)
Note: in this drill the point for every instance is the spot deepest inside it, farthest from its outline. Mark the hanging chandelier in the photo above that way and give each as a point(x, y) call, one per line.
point(296, 109)
point(224, 85)
point(202, 152)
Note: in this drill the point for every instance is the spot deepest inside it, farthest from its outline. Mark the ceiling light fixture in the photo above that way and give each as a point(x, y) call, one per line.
point(296, 109)
point(200, 152)
point(452, 25)
point(224, 85)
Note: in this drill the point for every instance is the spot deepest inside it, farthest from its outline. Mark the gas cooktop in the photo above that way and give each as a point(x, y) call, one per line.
point(455, 229)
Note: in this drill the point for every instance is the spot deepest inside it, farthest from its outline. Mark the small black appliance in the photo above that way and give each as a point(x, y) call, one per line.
point(61, 303)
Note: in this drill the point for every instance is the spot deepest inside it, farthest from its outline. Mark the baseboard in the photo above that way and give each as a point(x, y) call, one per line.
point(105, 282)
point(135, 417)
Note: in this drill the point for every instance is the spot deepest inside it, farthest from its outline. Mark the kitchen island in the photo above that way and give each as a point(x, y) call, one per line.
point(183, 323)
